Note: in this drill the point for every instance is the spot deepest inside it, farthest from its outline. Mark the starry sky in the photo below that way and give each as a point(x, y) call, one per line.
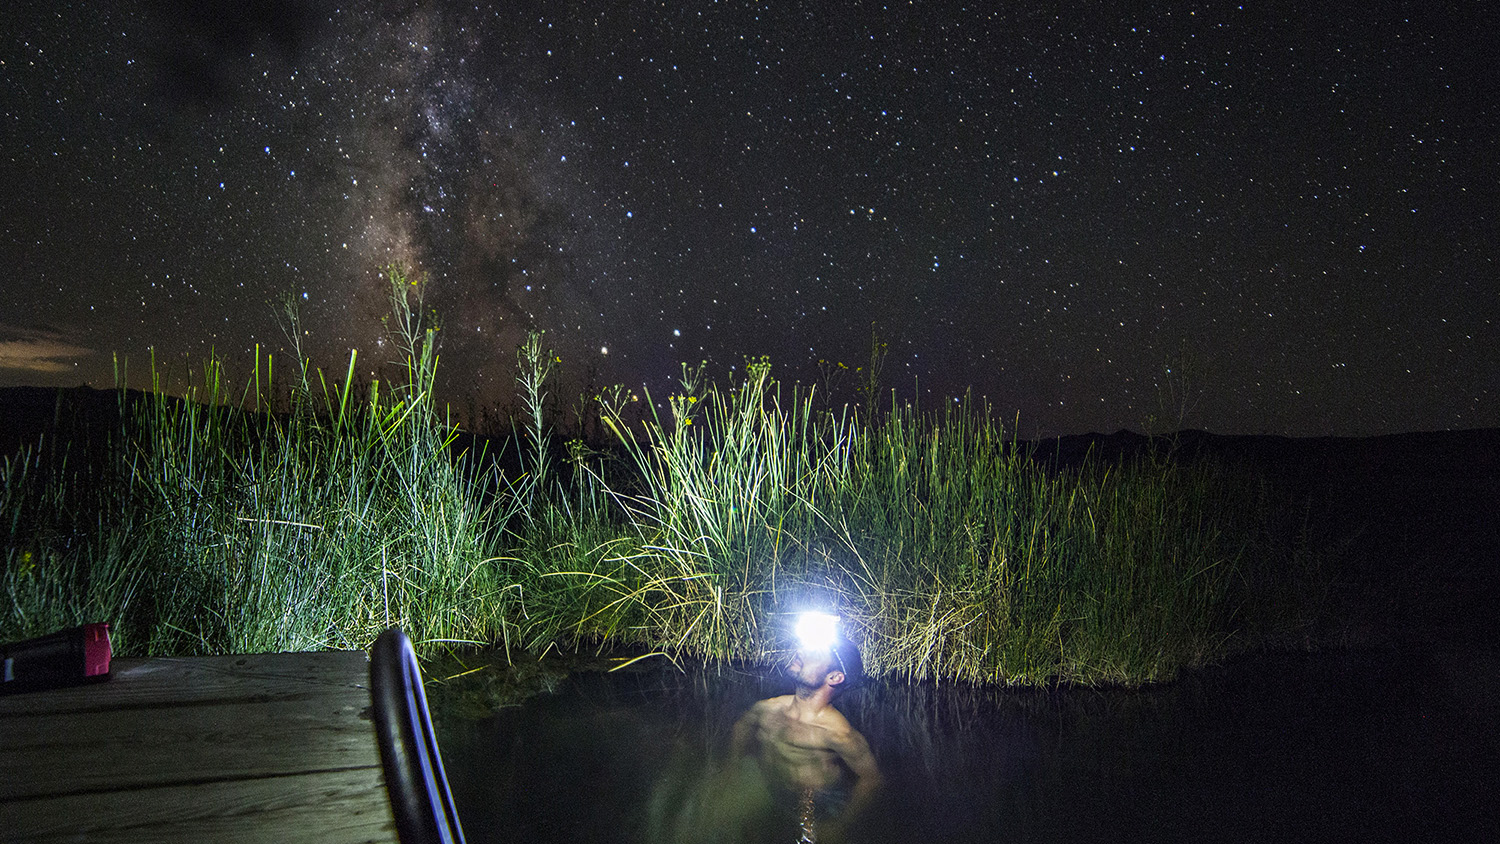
point(1241, 217)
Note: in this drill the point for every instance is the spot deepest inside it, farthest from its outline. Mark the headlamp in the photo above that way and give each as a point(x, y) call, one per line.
point(817, 631)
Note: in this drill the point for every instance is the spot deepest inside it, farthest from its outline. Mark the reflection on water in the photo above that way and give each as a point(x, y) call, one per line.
point(1360, 746)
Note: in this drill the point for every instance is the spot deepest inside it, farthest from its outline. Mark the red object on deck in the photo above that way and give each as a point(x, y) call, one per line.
point(65, 658)
point(96, 649)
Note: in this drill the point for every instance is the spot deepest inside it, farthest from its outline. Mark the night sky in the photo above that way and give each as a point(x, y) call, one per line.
point(1286, 212)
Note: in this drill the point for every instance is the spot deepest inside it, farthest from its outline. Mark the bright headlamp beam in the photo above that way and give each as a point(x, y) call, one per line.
point(817, 630)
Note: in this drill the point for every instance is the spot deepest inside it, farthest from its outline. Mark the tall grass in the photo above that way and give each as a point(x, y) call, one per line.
point(67, 559)
point(951, 549)
point(213, 529)
point(954, 551)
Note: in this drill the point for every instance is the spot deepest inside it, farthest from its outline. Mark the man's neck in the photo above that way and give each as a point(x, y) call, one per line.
point(810, 701)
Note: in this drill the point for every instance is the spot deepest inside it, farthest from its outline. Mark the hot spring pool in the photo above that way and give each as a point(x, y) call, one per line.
point(1372, 745)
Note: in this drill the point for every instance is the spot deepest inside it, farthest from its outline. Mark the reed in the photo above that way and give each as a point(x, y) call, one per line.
point(213, 528)
point(953, 551)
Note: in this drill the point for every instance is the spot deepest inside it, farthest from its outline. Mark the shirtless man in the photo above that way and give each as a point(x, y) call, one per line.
point(805, 745)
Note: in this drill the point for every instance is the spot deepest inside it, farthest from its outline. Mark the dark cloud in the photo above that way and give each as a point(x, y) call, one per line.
point(40, 352)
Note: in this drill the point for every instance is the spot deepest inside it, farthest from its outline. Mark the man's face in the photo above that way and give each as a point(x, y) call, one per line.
point(810, 668)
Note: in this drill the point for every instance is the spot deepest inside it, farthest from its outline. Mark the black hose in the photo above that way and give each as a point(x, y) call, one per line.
point(414, 779)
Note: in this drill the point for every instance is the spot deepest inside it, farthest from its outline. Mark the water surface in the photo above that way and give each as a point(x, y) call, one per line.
point(1368, 745)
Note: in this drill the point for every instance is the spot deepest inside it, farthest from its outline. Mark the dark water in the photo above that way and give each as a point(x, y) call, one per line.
point(1370, 745)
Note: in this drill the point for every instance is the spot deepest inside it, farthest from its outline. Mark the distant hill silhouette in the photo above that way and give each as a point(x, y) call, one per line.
point(74, 413)
point(1418, 513)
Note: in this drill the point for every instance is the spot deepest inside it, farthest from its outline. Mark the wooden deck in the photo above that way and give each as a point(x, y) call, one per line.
point(263, 748)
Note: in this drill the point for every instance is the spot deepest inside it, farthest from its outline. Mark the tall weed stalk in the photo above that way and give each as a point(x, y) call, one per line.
point(314, 514)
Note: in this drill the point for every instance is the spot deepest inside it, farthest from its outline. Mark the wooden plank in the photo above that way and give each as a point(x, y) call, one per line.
point(180, 680)
point(344, 807)
point(258, 748)
point(135, 748)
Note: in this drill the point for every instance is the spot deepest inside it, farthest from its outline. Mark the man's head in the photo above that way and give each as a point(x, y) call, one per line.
point(839, 666)
point(846, 658)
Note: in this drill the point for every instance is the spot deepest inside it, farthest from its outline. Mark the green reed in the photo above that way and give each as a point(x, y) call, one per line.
point(952, 550)
point(213, 528)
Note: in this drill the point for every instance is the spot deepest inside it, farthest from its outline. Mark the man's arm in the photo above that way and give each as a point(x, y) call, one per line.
point(855, 751)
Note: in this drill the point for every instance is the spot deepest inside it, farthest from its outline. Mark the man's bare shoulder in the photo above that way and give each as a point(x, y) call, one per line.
point(834, 721)
point(772, 703)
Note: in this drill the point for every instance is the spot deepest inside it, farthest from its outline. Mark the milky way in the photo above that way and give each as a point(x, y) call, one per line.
point(454, 190)
point(444, 174)
point(1223, 215)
